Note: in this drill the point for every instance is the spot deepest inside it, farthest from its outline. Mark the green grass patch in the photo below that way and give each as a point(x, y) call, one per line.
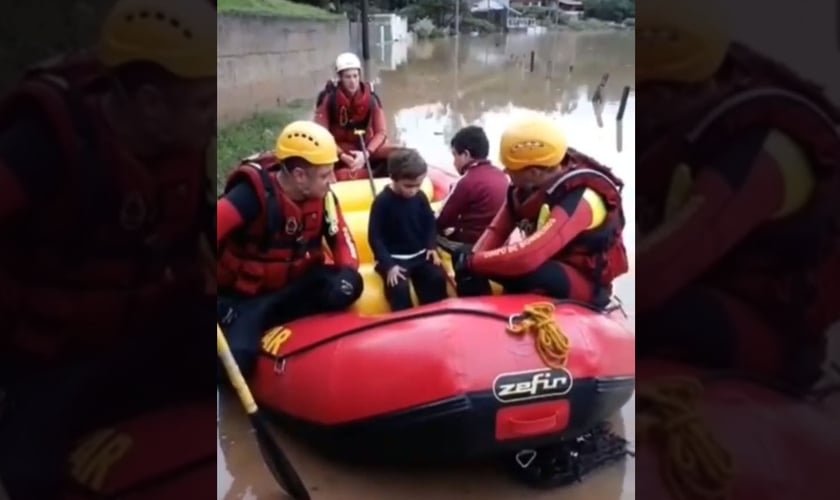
point(256, 134)
point(276, 8)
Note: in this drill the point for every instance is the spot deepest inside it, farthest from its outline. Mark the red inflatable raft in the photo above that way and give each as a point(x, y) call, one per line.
point(168, 454)
point(440, 381)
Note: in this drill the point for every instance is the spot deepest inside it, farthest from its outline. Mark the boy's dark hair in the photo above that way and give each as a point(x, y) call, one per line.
point(405, 164)
point(473, 140)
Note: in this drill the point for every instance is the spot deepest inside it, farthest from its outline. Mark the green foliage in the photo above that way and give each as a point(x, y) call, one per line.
point(258, 133)
point(540, 13)
point(424, 28)
point(441, 12)
point(469, 24)
point(275, 8)
point(609, 10)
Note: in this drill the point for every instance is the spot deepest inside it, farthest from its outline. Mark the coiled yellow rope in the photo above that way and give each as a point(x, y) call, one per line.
point(694, 466)
point(552, 344)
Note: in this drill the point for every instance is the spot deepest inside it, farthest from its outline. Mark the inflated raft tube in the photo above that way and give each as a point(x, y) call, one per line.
point(444, 380)
point(124, 460)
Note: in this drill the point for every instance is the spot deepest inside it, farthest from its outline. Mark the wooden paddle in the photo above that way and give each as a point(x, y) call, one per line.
point(282, 470)
point(361, 135)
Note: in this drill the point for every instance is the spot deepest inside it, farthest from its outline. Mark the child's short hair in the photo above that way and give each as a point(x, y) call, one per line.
point(473, 140)
point(406, 163)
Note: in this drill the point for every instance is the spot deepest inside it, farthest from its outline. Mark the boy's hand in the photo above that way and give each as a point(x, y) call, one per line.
point(395, 274)
point(433, 256)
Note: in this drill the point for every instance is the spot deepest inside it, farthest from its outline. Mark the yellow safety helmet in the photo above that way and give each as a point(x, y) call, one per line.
point(534, 142)
point(180, 36)
point(681, 42)
point(307, 140)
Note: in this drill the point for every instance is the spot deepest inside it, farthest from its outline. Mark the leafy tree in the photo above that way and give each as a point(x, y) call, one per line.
point(609, 10)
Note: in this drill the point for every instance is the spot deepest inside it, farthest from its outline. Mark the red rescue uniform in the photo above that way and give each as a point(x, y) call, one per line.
point(272, 265)
point(284, 242)
point(590, 258)
point(750, 251)
point(102, 243)
point(344, 114)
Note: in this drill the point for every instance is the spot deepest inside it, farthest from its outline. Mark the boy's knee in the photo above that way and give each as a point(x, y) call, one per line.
point(399, 295)
point(401, 289)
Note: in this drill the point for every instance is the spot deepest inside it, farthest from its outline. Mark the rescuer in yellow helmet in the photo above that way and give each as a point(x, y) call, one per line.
point(272, 220)
point(738, 192)
point(103, 164)
point(569, 207)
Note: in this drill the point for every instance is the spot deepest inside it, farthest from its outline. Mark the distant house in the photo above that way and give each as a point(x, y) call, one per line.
point(569, 6)
point(495, 11)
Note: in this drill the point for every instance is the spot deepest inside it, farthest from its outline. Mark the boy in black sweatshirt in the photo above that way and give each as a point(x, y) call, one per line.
point(402, 234)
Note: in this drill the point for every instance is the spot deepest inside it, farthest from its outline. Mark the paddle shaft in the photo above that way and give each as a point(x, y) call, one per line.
point(234, 374)
point(361, 135)
point(273, 456)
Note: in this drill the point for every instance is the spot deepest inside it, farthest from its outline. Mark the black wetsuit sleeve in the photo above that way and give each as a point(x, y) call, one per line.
point(30, 148)
point(244, 198)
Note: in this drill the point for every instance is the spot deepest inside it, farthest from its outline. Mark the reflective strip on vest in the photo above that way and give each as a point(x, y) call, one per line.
point(748, 95)
point(580, 171)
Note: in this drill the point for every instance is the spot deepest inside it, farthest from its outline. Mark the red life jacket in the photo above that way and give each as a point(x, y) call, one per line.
point(281, 245)
point(346, 115)
point(116, 246)
point(788, 267)
point(599, 252)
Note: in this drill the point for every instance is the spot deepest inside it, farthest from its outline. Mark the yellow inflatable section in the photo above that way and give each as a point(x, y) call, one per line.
point(354, 196)
point(355, 199)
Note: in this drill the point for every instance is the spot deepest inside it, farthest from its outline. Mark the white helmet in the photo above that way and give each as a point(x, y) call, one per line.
point(347, 60)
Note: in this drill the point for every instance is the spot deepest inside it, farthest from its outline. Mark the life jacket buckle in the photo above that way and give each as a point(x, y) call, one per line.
point(300, 247)
point(229, 317)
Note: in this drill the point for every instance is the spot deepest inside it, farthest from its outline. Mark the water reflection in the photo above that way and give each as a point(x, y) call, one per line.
point(433, 63)
point(248, 479)
point(389, 56)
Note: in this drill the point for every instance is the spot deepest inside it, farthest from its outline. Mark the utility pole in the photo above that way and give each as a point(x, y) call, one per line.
point(457, 18)
point(365, 37)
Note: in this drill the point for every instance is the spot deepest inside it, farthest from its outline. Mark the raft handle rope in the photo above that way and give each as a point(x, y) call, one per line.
point(695, 465)
point(553, 346)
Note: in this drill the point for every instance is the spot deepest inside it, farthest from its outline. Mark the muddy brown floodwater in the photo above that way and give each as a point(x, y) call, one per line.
point(430, 90)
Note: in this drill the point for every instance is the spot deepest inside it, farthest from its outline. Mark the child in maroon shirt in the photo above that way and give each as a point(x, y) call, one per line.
point(474, 200)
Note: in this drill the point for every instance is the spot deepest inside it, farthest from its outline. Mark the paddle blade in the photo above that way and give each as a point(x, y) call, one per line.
point(276, 460)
